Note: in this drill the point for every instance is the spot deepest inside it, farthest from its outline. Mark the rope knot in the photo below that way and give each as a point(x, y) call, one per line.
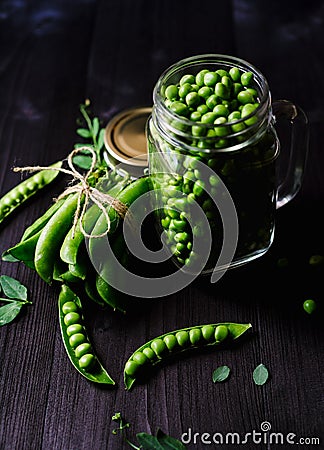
point(83, 188)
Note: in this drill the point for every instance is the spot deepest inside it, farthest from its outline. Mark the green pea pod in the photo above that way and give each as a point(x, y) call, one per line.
point(41, 221)
point(26, 189)
point(117, 300)
point(51, 238)
point(25, 250)
point(62, 273)
point(179, 341)
point(110, 295)
point(91, 291)
point(76, 340)
point(79, 269)
point(127, 196)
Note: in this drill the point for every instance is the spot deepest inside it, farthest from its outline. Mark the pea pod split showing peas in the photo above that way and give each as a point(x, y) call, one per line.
point(26, 189)
point(76, 341)
point(175, 342)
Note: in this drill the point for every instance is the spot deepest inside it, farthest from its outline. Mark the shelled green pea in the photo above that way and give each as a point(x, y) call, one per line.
point(212, 95)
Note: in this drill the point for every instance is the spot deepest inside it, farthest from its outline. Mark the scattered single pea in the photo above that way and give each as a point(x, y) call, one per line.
point(282, 263)
point(309, 306)
point(316, 260)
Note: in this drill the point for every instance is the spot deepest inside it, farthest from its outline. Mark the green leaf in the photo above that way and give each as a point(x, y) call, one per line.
point(159, 442)
point(84, 151)
point(101, 138)
point(168, 442)
point(82, 161)
point(149, 442)
point(8, 257)
point(95, 126)
point(221, 374)
point(9, 312)
point(83, 132)
point(13, 288)
point(260, 375)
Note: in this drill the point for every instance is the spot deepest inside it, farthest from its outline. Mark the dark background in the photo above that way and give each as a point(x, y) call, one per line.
point(53, 55)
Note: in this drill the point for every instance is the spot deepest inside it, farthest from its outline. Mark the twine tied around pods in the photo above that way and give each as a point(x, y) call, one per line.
point(83, 188)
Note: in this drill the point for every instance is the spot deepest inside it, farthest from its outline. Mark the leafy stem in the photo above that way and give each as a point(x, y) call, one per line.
point(16, 297)
point(91, 131)
point(147, 441)
point(10, 300)
point(122, 426)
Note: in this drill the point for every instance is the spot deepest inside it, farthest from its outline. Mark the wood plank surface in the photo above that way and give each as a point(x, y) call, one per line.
point(55, 54)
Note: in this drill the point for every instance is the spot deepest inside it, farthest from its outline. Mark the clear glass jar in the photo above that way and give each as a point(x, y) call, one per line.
point(216, 184)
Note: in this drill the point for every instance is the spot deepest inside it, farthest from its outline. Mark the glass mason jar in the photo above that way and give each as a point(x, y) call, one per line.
point(218, 183)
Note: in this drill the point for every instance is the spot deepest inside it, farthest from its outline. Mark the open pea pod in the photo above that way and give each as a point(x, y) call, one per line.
point(26, 189)
point(76, 341)
point(175, 342)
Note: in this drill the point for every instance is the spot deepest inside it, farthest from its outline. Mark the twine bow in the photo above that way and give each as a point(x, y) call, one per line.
point(83, 188)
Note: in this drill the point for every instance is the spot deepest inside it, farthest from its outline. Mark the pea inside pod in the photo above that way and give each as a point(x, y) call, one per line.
point(75, 338)
point(26, 189)
point(179, 341)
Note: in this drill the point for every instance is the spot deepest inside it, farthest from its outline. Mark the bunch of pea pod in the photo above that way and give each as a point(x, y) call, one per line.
point(54, 246)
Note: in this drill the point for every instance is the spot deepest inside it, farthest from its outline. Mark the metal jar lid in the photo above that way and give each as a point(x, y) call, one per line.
point(125, 141)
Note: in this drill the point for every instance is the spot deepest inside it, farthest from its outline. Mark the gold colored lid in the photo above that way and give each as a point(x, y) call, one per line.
point(125, 139)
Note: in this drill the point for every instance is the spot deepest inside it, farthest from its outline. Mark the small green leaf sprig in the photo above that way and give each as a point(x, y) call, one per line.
point(147, 441)
point(260, 374)
point(16, 297)
point(221, 374)
point(94, 134)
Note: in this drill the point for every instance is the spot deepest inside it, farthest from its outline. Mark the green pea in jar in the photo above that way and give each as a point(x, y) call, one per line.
point(215, 161)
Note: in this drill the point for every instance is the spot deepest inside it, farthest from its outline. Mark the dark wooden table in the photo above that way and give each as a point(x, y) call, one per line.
point(53, 55)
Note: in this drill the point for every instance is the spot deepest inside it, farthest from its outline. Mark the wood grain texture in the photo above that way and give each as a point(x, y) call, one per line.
point(53, 55)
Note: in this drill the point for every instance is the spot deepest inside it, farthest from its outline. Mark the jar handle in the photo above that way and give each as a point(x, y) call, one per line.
point(285, 110)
